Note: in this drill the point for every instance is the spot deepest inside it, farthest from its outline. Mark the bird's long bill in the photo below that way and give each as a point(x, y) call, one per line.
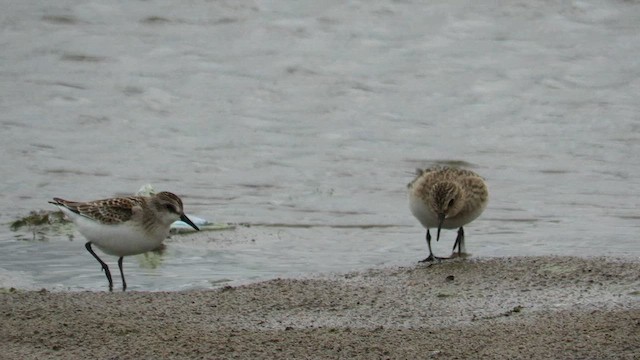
point(184, 218)
point(440, 221)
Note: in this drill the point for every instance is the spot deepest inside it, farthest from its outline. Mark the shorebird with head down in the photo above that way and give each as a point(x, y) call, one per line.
point(447, 198)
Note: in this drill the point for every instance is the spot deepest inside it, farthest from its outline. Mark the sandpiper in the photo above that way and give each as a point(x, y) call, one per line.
point(449, 198)
point(126, 225)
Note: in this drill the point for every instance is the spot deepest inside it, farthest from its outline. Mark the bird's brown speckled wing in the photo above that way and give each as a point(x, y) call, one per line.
point(427, 177)
point(476, 186)
point(451, 172)
point(107, 211)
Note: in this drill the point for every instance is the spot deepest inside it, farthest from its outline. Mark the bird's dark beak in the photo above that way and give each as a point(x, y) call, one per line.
point(184, 218)
point(440, 221)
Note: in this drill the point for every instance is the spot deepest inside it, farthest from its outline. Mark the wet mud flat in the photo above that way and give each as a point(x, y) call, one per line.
point(525, 307)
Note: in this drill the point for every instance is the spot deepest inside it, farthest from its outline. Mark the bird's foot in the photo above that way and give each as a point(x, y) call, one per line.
point(456, 255)
point(432, 258)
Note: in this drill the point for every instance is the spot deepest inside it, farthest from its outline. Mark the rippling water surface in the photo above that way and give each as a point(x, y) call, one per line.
point(306, 120)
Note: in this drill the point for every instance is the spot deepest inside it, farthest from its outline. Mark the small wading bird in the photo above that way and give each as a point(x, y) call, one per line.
point(447, 198)
point(126, 225)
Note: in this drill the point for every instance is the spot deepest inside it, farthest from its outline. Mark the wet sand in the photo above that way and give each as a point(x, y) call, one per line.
point(529, 307)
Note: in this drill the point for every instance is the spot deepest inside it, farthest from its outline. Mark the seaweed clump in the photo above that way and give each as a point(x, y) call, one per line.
point(38, 224)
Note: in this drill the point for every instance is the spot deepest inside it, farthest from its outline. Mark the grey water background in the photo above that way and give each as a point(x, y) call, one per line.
point(306, 120)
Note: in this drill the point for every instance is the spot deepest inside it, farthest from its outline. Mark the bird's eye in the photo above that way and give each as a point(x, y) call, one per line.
point(451, 203)
point(170, 208)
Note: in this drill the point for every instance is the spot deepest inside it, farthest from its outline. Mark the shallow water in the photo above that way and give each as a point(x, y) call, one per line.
point(307, 121)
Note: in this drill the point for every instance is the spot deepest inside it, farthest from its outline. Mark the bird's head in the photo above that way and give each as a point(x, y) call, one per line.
point(447, 201)
point(169, 207)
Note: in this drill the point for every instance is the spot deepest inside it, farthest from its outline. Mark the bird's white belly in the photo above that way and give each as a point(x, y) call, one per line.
point(463, 218)
point(121, 239)
point(429, 219)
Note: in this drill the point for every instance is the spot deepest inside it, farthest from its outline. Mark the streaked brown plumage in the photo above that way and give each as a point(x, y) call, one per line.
point(125, 225)
point(449, 198)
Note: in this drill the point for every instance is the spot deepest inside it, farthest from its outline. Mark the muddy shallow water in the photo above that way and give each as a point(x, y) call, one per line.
point(307, 122)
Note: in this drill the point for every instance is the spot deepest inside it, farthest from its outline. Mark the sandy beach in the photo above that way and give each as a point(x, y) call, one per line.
point(529, 307)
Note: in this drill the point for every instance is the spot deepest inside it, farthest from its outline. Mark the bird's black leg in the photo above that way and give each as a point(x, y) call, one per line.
point(459, 242)
point(430, 257)
point(124, 283)
point(104, 266)
point(455, 244)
